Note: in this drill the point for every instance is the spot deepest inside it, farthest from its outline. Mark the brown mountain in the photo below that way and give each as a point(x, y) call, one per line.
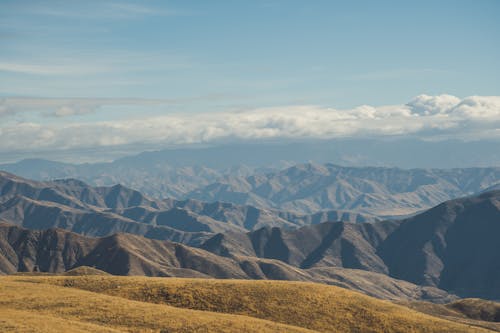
point(56, 251)
point(40, 215)
point(453, 246)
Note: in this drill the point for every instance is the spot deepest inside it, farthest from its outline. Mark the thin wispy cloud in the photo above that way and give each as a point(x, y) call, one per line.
point(394, 74)
point(105, 10)
point(65, 107)
point(49, 69)
point(84, 63)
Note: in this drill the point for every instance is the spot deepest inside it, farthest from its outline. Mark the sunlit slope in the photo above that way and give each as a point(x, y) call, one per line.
point(27, 306)
point(308, 305)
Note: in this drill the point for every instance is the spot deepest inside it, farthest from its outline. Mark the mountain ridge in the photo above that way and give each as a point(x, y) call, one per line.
point(452, 246)
point(382, 191)
point(127, 210)
point(57, 251)
point(307, 188)
point(431, 248)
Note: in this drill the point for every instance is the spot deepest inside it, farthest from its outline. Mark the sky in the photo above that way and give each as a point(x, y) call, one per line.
point(93, 74)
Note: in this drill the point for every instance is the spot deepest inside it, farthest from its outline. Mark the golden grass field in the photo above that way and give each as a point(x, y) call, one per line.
point(101, 303)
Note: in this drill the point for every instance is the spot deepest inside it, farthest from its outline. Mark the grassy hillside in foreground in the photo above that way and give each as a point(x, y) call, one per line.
point(173, 304)
point(28, 306)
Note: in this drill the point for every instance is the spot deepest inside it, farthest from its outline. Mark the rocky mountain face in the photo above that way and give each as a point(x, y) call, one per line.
point(453, 246)
point(327, 244)
point(56, 251)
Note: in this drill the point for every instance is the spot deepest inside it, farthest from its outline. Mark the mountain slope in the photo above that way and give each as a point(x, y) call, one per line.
point(39, 215)
point(453, 246)
point(73, 193)
point(57, 251)
point(28, 306)
point(327, 244)
point(469, 311)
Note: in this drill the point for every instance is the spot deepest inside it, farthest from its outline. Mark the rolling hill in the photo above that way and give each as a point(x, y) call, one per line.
point(34, 307)
point(478, 311)
point(105, 303)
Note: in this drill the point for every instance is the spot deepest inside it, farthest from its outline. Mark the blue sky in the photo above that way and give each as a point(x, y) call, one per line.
point(91, 61)
point(251, 52)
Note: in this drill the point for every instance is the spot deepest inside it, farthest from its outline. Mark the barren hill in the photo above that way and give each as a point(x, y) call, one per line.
point(453, 246)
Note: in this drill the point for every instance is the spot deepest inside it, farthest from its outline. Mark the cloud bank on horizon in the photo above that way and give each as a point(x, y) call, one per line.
point(426, 117)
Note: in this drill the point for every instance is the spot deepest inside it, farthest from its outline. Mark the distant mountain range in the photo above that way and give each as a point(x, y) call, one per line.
point(101, 211)
point(303, 189)
point(395, 151)
point(309, 188)
point(158, 179)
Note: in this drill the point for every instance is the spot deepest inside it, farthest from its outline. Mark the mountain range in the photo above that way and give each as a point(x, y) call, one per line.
point(453, 246)
point(101, 211)
point(395, 151)
point(308, 188)
point(299, 188)
point(56, 251)
point(449, 249)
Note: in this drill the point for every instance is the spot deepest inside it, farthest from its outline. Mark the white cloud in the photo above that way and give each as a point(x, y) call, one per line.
point(427, 105)
point(478, 107)
point(442, 116)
